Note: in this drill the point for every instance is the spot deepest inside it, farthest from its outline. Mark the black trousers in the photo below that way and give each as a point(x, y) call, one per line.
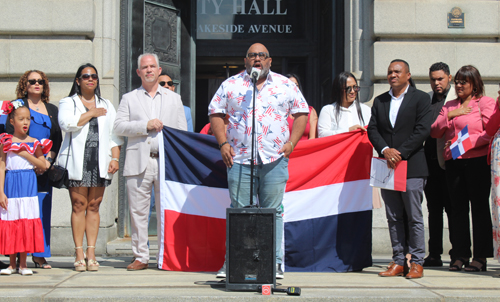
point(469, 182)
point(438, 199)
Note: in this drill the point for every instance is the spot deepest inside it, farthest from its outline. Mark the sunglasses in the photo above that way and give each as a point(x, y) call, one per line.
point(169, 83)
point(40, 81)
point(262, 55)
point(87, 76)
point(461, 82)
point(352, 88)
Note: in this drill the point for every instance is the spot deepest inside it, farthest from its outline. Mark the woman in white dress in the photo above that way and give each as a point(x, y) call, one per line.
point(345, 113)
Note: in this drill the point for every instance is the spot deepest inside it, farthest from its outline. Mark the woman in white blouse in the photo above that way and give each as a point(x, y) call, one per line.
point(345, 113)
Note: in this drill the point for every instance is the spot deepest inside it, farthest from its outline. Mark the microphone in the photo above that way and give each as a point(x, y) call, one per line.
point(255, 74)
point(291, 291)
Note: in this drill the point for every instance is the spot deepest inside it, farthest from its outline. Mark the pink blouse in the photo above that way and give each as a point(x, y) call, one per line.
point(477, 125)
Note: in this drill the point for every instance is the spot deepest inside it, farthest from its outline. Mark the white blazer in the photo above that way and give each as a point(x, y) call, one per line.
point(68, 120)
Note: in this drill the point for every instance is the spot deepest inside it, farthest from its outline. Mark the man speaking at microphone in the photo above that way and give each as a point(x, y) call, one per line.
point(276, 98)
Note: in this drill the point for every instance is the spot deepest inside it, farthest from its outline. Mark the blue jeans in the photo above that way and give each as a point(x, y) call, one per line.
point(269, 185)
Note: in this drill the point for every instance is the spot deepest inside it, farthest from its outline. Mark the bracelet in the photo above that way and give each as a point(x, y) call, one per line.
point(117, 160)
point(220, 145)
point(291, 144)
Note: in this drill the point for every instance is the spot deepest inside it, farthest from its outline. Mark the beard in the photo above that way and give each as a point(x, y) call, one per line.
point(264, 72)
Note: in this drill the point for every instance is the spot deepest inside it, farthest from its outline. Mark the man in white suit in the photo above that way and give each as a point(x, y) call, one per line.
point(141, 116)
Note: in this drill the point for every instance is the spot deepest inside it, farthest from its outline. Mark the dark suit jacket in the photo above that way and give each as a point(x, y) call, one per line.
point(412, 127)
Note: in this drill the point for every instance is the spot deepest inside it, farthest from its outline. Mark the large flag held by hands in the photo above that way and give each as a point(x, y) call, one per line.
point(327, 204)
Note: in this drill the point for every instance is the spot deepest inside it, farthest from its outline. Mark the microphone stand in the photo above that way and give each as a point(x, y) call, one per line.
point(254, 80)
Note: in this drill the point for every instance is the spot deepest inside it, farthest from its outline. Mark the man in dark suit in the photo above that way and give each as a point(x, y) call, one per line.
point(400, 123)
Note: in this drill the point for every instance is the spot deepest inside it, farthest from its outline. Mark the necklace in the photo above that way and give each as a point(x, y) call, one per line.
point(36, 106)
point(83, 99)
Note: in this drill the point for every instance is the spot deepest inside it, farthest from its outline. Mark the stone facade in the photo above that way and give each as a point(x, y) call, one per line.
point(57, 37)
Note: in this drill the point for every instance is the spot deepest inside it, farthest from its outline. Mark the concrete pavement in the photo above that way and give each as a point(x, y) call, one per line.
point(114, 283)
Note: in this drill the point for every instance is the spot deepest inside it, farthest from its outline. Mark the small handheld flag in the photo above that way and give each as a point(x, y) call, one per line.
point(460, 143)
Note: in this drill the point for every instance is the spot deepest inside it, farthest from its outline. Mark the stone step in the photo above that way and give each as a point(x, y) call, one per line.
point(123, 247)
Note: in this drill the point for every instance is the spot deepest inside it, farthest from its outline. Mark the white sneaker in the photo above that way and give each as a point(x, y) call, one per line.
point(26, 272)
point(222, 272)
point(7, 271)
point(279, 272)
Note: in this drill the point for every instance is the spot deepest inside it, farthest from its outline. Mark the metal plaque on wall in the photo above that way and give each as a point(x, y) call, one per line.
point(161, 32)
point(456, 18)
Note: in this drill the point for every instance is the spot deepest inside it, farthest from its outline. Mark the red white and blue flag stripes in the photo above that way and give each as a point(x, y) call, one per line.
point(327, 204)
point(460, 143)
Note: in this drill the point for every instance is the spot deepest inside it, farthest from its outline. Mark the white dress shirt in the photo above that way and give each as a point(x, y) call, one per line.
point(394, 109)
point(395, 104)
point(328, 124)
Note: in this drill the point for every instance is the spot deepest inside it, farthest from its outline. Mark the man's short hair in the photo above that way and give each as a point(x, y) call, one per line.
point(402, 61)
point(440, 66)
point(164, 73)
point(147, 54)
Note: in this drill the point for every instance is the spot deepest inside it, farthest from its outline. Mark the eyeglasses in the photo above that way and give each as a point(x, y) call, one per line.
point(40, 81)
point(169, 83)
point(87, 76)
point(352, 88)
point(262, 55)
point(461, 82)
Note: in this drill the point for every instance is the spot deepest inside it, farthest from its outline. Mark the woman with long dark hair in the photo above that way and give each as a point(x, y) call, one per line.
point(91, 150)
point(468, 175)
point(345, 113)
point(33, 88)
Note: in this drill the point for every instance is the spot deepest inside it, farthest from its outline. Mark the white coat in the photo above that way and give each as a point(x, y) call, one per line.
point(68, 121)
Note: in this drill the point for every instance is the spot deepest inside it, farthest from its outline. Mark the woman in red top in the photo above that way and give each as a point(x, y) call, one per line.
point(311, 130)
point(468, 177)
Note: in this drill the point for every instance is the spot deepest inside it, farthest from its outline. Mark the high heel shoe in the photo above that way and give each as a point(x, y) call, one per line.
point(454, 267)
point(92, 264)
point(80, 265)
point(44, 265)
point(473, 268)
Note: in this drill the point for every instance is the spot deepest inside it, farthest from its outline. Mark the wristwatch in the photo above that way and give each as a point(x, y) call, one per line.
point(114, 158)
point(50, 159)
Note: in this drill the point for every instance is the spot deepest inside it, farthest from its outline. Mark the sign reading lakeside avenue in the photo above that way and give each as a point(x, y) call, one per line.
point(248, 19)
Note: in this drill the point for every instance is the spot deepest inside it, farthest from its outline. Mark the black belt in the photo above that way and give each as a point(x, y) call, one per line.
point(154, 154)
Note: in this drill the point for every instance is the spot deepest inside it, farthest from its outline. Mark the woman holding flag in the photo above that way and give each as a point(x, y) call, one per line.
point(463, 123)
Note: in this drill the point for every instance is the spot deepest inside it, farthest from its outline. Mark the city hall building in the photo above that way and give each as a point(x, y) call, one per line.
point(200, 43)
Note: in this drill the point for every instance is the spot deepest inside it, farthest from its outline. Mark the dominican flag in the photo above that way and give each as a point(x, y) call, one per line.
point(460, 143)
point(327, 204)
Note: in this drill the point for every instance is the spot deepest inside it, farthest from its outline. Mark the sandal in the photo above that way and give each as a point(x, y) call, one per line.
point(473, 268)
point(44, 265)
point(80, 265)
point(454, 267)
point(92, 264)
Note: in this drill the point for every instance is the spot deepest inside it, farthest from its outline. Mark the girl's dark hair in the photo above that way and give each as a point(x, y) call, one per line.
point(293, 75)
point(338, 90)
point(76, 88)
point(470, 74)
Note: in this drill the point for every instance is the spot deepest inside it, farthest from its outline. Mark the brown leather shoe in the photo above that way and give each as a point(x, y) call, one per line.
point(136, 266)
point(416, 271)
point(392, 270)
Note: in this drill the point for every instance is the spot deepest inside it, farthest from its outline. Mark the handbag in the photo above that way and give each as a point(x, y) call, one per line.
point(58, 175)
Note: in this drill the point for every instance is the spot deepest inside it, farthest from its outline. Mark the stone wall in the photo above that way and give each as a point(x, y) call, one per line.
point(378, 31)
point(56, 37)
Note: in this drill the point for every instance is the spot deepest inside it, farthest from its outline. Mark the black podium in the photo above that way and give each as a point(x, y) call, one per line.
point(250, 248)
